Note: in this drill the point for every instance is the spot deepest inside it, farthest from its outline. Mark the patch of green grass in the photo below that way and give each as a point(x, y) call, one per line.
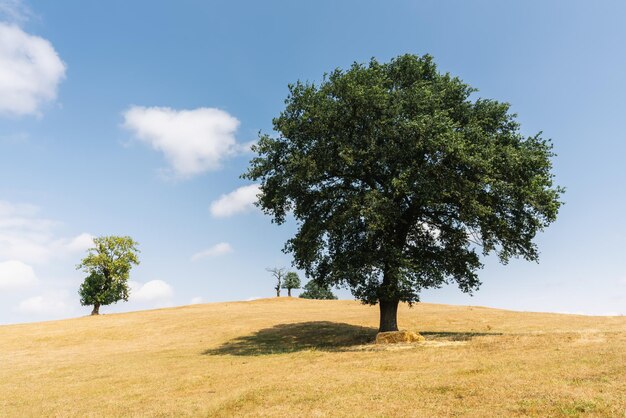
point(576, 408)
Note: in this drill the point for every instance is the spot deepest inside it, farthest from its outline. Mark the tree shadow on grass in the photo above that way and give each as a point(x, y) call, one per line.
point(455, 336)
point(318, 335)
point(289, 338)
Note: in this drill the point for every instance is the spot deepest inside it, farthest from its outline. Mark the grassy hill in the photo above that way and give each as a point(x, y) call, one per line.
point(299, 357)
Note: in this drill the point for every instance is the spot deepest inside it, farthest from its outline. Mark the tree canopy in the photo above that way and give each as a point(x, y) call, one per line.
point(399, 179)
point(108, 263)
point(312, 290)
point(292, 281)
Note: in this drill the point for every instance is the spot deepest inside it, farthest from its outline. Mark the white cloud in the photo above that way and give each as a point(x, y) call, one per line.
point(247, 146)
point(433, 231)
point(193, 141)
point(27, 237)
point(30, 69)
point(14, 10)
point(238, 201)
point(11, 209)
point(79, 243)
point(52, 303)
point(218, 249)
point(196, 300)
point(16, 275)
point(154, 290)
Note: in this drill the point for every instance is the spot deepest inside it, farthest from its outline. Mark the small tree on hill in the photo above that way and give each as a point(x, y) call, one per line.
point(292, 281)
point(108, 263)
point(279, 275)
point(399, 180)
point(312, 290)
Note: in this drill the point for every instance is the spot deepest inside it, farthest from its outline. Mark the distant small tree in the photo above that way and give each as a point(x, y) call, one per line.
point(279, 274)
point(108, 263)
point(292, 281)
point(312, 290)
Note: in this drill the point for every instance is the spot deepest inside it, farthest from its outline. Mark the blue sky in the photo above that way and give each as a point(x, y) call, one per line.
point(133, 118)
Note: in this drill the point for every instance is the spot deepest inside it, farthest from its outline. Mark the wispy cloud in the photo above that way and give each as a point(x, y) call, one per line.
point(27, 237)
point(217, 250)
point(14, 11)
point(49, 304)
point(240, 200)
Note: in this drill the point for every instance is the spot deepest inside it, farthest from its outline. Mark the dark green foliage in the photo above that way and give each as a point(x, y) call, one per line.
point(399, 180)
point(292, 281)
point(108, 263)
point(96, 290)
point(312, 290)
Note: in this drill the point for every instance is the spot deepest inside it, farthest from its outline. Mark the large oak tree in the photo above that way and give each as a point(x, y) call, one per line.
point(400, 179)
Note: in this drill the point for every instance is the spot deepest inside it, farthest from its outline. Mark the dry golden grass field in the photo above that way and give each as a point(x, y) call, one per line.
point(295, 357)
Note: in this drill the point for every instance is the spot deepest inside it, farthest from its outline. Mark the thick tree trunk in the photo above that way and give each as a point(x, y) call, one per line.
point(289, 292)
point(96, 309)
point(277, 292)
point(388, 315)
